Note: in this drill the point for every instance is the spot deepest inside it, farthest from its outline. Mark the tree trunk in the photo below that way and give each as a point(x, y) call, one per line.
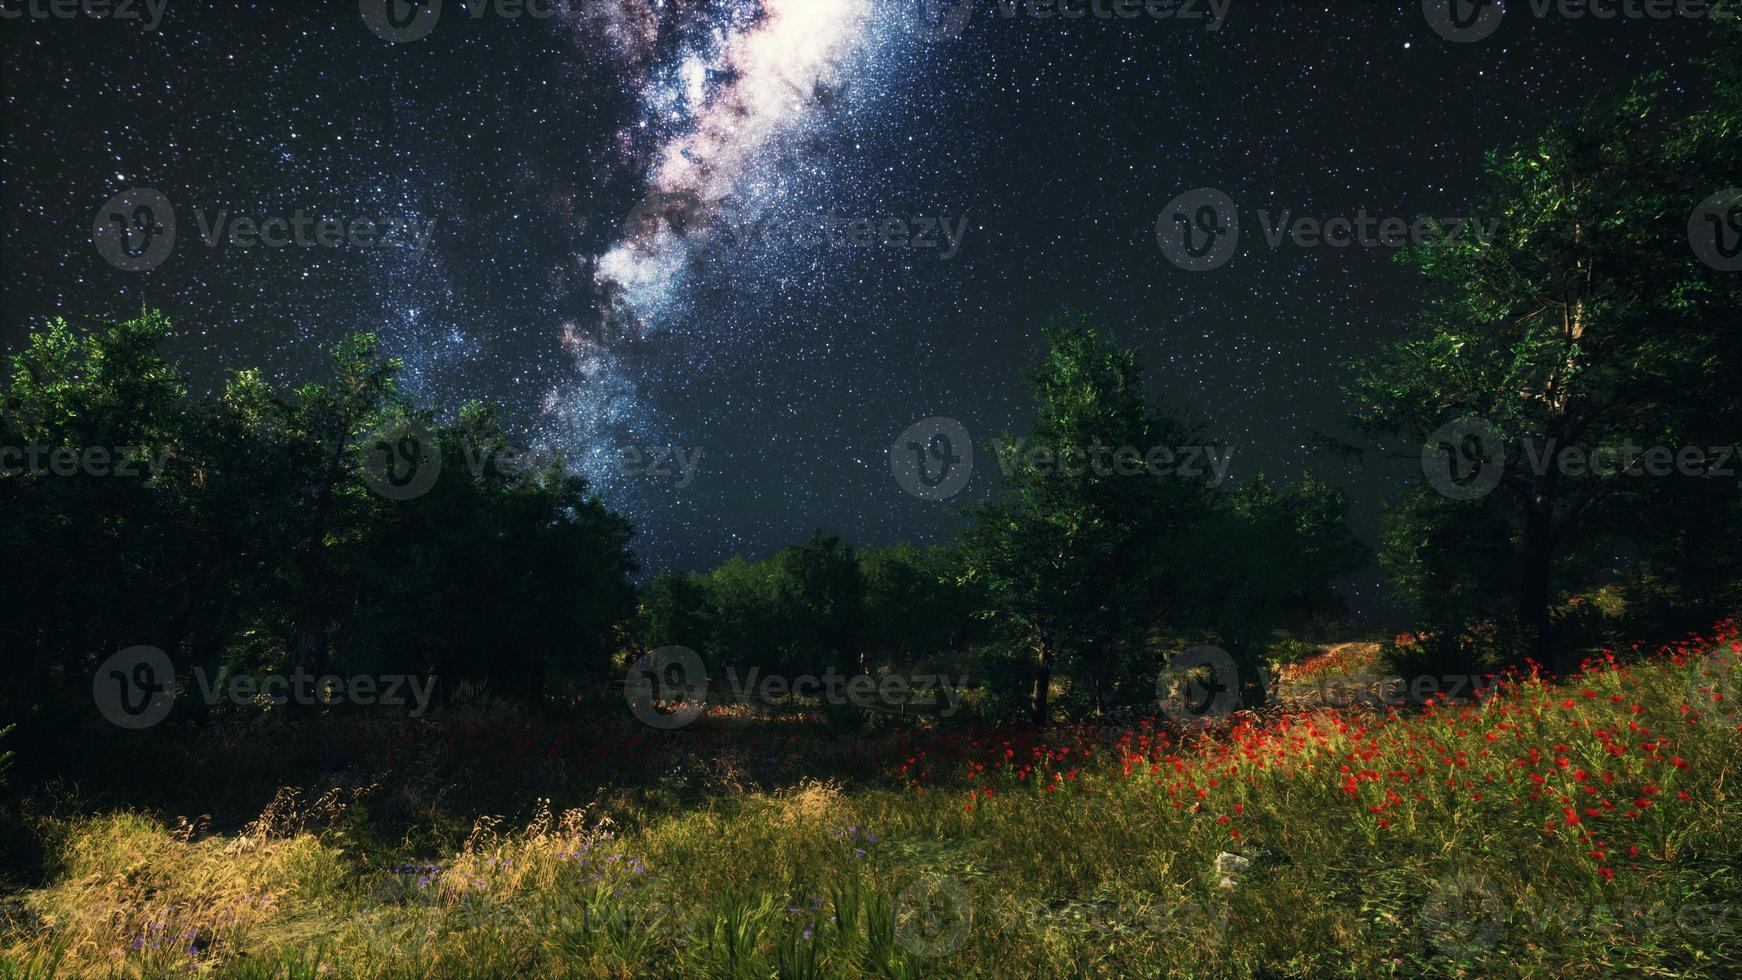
point(1103, 676)
point(1037, 698)
point(1535, 564)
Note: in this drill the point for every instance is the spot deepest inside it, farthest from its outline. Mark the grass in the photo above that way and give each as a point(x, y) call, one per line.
point(1581, 828)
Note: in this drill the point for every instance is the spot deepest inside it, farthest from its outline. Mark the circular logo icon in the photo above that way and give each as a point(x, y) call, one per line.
point(1464, 458)
point(935, 21)
point(682, 213)
point(401, 460)
point(933, 459)
point(1463, 21)
point(1462, 918)
point(134, 231)
point(1715, 686)
point(650, 679)
point(1199, 230)
point(932, 916)
point(1715, 230)
point(135, 688)
point(400, 21)
point(1199, 685)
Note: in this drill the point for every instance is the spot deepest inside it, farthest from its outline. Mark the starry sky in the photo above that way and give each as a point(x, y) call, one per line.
point(640, 215)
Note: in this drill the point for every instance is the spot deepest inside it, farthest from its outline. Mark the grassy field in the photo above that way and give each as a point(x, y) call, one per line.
point(1583, 827)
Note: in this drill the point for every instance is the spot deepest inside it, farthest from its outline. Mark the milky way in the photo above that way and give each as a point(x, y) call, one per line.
point(738, 100)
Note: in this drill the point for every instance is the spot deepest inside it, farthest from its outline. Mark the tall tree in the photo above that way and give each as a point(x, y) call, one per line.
point(1585, 322)
point(1073, 559)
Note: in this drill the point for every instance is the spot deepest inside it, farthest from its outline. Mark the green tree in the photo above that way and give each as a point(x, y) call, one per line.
point(1074, 558)
point(1585, 322)
point(1271, 557)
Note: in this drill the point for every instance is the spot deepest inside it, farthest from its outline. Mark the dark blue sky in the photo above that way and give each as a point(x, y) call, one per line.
point(1051, 146)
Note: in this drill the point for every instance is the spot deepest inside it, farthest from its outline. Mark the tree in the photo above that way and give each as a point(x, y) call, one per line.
point(1585, 323)
point(239, 532)
point(915, 607)
point(673, 610)
point(1073, 560)
point(820, 596)
point(1270, 558)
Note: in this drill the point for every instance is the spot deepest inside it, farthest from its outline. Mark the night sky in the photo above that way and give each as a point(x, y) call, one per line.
point(546, 152)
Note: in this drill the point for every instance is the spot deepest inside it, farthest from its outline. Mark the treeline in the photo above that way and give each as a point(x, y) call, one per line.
point(1242, 564)
point(264, 539)
point(339, 529)
point(242, 529)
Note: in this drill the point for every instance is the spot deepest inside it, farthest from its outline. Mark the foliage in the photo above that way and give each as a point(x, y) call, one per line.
point(1585, 323)
point(238, 531)
point(1571, 828)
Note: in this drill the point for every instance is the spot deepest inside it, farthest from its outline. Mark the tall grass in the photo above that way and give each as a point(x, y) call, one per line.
point(1576, 828)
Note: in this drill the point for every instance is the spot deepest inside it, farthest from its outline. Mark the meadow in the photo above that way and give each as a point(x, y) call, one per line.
point(1581, 826)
